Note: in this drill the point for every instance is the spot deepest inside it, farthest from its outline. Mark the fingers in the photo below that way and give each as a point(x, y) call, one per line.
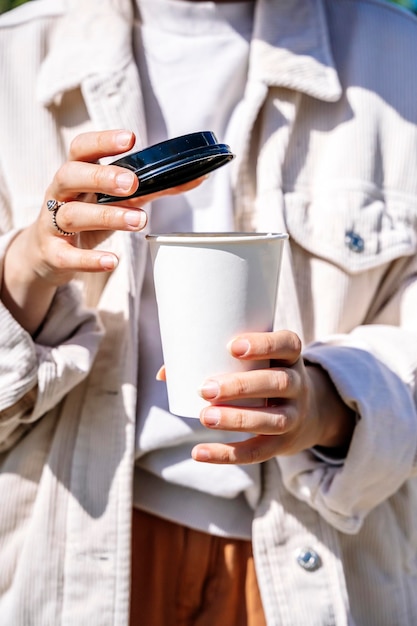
point(283, 346)
point(262, 383)
point(95, 145)
point(284, 381)
point(82, 216)
point(80, 178)
point(81, 174)
point(108, 179)
point(68, 239)
point(261, 421)
point(253, 450)
point(76, 177)
point(279, 424)
point(278, 431)
point(66, 259)
point(280, 418)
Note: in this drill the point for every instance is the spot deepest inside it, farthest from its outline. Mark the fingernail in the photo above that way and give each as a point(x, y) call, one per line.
point(108, 262)
point(211, 416)
point(124, 181)
point(209, 390)
point(201, 454)
point(124, 138)
point(135, 218)
point(239, 347)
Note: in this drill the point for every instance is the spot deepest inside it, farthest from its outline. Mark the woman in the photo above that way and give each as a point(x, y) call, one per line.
point(325, 138)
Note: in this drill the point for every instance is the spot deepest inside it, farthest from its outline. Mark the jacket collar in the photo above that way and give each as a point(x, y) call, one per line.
point(79, 48)
point(290, 47)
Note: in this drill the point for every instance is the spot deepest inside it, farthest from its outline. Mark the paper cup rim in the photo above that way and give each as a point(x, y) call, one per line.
point(211, 237)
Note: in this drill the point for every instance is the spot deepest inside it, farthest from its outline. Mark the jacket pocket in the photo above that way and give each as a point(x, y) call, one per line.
point(354, 229)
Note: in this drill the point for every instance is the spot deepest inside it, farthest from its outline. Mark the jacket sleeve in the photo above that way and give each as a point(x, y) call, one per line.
point(35, 374)
point(374, 369)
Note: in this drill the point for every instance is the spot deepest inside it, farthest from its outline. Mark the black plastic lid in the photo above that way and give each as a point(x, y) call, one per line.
point(173, 162)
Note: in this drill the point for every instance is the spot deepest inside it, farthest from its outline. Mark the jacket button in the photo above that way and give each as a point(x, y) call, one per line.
point(354, 241)
point(308, 559)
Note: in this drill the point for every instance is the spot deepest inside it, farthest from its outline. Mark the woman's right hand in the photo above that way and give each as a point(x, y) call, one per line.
point(40, 258)
point(56, 258)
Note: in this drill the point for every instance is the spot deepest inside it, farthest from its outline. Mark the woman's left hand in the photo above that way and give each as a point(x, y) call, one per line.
point(302, 407)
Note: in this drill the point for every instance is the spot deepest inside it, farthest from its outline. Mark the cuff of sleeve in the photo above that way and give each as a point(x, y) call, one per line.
point(383, 448)
point(325, 455)
point(18, 360)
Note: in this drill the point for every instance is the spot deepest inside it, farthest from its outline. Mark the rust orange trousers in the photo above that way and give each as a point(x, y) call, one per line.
point(182, 577)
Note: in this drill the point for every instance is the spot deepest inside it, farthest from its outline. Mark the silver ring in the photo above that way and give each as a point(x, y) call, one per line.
point(54, 206)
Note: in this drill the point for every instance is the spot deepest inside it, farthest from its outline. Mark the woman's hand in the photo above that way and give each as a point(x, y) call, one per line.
point(41, 258)
point(302, 408)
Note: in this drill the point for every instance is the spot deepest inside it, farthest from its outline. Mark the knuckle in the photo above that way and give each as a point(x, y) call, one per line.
point(255, 454)
point(242, 386)
point(65, 218)
point(290, 379)
point(239, 421)
point(78, 144)
point(75, 145)
point(227, 457)
point(269, 345)
point(106, 217)
point(98, 176)
point(86, 263)
point(295, 343)
point(281, 380)
point(101, 141)
point(279, 422)
point(61, 175)
point(60, 259)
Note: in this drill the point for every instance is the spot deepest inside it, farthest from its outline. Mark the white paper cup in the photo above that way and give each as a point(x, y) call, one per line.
point(209, 288)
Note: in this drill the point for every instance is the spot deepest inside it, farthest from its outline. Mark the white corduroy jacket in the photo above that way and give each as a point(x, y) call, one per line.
point(328, 152)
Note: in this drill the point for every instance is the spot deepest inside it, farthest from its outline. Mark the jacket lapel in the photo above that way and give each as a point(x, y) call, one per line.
point(291, 48)
point(106, 74)
point(290, 57)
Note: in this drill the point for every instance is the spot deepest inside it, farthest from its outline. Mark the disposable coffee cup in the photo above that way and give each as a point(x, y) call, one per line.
point(211, 287)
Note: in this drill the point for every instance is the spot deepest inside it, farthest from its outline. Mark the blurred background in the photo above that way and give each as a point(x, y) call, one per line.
point(6, 5)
